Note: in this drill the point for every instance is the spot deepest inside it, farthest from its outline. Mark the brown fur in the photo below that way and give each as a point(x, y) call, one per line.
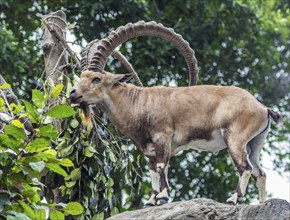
point(161, 119)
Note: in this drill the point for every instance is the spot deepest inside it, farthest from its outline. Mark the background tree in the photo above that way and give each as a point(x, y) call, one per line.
point(244, 43)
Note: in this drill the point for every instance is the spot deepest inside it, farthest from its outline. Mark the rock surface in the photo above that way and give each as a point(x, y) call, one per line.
point(206, 209)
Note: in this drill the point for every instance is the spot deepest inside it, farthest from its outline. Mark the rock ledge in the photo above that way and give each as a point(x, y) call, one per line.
point(207, 209)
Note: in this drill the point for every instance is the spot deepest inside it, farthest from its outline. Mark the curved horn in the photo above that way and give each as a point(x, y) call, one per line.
point(128, 66)
point(142, 28)
point(88, 53)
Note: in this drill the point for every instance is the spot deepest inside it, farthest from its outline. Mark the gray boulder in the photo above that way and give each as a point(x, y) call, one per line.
point(207, 209)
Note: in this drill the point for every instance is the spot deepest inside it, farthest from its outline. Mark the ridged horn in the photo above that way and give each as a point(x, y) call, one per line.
point(88, 53)
point(124, 33)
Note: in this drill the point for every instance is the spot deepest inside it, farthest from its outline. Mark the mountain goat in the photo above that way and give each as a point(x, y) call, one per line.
point(162, 121)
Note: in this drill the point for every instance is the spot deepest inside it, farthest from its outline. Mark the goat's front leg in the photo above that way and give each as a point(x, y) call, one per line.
point(159, 182)
point(162, 149)
point(160, 187)
point(158, 165)
point(163, 196)
point(155, 182)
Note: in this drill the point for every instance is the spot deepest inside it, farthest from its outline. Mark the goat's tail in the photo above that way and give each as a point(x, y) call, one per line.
point(275, 115)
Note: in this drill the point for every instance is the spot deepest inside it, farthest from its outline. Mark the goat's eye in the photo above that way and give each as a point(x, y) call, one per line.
point(96, 80)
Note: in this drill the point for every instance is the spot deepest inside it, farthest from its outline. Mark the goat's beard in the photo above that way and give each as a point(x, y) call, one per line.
point(86, 113)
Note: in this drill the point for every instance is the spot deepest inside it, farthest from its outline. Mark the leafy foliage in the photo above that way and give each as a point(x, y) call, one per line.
point(25, 158)
point(35, 164)
point(100, 162)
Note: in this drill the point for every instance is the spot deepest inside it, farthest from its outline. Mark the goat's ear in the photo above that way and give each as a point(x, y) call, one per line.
point(122, 77)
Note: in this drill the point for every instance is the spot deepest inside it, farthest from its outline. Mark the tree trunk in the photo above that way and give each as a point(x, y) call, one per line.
point(55, 54)
point(54, 48)
point(54, 26)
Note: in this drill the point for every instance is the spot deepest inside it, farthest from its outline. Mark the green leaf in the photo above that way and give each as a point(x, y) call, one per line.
point(27, 210)
point(89, 152)
point(35, 199)
point(48, 120)
point(9, 142)
point(65, 150)
point(68, 89)
point(56, 168)
point(48, 131)
point(29, 193)
point(70, 184)
point(112, 157)
point(5, 86)
point(40, 215)
point(17, 124)
point(56, 90)
point(4, 200)
point(56, 215)
point(99, 216)
point(74, 208)
point(75, 174)
point(50, 152)
point(61, 111)
point(115, 211)
point(109, 194)
point(38, 166)
point(17, 133)
point(74, 123)
point(17, 216)
point(92, 149)
point(110, 182)
point(16, 108)
point(2, 102)
point(31, 111)
point(66, 162)
point(38, 145)
point(38, 98)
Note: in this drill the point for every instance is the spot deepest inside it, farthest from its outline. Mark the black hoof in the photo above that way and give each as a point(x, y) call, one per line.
point(240, 200)
point(161, 201)
point(230, 203)
point(148, 205)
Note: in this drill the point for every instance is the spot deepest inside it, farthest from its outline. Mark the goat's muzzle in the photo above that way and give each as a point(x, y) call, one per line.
point(84, 106)
point(73, 97)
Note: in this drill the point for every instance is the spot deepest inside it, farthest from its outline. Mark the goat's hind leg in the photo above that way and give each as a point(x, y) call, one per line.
point(258, 174)
point(240, 157)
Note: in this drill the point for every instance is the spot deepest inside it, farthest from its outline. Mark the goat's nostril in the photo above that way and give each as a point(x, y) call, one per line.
point(72, 91)
point(72, 94)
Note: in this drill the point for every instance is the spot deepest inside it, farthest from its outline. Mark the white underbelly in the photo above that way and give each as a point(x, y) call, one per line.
point(214, 145)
